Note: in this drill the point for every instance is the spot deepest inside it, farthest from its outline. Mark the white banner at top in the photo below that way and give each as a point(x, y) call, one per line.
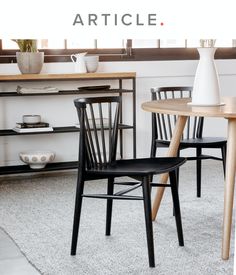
point(118, 19)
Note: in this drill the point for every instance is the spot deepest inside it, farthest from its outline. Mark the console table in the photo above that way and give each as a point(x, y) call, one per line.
point(119, 77)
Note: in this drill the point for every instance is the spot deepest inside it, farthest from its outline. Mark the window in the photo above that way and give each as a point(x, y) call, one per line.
point(59, 50)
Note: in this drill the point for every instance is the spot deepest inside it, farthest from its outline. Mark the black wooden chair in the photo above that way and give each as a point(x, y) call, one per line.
point(97, 160)
point(162, 126)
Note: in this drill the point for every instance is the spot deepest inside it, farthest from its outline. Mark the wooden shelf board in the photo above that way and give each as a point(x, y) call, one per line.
point(85, 76)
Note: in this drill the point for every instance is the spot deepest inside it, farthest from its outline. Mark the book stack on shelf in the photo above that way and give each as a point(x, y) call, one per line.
point(97, 123)
point(31, 90)
point(32, 127)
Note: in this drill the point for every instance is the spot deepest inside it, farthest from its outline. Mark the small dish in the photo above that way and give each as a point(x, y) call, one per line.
point(99, 87)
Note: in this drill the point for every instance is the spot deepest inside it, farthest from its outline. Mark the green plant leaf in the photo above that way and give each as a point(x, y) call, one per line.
point(26, 45)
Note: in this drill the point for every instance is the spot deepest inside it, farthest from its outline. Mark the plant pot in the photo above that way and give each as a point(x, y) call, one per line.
point(30, 62)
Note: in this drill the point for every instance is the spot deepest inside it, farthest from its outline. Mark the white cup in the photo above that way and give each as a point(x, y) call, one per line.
point(91, 62)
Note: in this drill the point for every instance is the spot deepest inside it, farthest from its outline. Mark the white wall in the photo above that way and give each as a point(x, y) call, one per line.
point(59, 110)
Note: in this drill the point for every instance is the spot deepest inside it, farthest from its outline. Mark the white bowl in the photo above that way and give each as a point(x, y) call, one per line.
point(31, 119)
point(37, 159)
point(91, 62)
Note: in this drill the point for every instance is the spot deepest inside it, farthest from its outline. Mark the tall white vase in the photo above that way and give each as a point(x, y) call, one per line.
point(206, 89)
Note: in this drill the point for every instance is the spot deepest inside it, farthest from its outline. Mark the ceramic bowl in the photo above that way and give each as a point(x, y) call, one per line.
point(31, 119)
point(37, 159)
point(91, 62)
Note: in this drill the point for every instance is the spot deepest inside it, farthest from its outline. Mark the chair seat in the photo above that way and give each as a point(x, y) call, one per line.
point(208, 142)
point(139, 167)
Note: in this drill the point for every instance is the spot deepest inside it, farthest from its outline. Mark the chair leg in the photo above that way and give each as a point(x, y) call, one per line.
point(177, 171)
point(223, 152)
point(77, 213)
point(153, 149)
point(199, 171)
point(148, 219)
point(177, 178)
point(175, 197)
point(110, 190)
point(153, 154)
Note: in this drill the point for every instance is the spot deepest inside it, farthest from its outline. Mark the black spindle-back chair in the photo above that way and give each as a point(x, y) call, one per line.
point(97, 160)
point(163, 125)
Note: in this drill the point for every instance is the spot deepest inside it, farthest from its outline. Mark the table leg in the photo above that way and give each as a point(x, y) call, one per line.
point(229, 187)
point(172, 152)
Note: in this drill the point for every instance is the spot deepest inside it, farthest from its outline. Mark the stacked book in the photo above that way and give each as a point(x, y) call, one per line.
point(97, 123)
point(32, 127)
point(44, 90)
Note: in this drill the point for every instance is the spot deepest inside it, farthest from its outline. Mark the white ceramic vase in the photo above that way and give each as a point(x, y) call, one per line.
point(30, 62)
point(206, 89)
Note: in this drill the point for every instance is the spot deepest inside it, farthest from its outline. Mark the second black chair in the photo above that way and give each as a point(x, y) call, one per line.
point(162, 126)
point(97, 160)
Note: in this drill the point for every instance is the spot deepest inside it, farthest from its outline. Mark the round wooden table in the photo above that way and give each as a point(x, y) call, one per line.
point(183, 110)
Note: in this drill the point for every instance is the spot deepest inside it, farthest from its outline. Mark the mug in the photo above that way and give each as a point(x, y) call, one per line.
point(79, 62)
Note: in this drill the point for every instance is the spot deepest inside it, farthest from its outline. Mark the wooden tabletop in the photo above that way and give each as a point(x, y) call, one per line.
point(84, 76)
point(181, 107)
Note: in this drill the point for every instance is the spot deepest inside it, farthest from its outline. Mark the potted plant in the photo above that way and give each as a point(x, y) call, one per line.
point(29, 59)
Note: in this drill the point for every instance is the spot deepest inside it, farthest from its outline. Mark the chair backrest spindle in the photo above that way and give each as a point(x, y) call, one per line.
point(102, 133)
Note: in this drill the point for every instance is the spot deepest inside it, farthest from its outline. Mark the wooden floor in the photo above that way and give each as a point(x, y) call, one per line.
point(12, 261)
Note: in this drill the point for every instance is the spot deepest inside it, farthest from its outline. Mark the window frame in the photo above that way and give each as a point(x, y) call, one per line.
point(123, 54)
